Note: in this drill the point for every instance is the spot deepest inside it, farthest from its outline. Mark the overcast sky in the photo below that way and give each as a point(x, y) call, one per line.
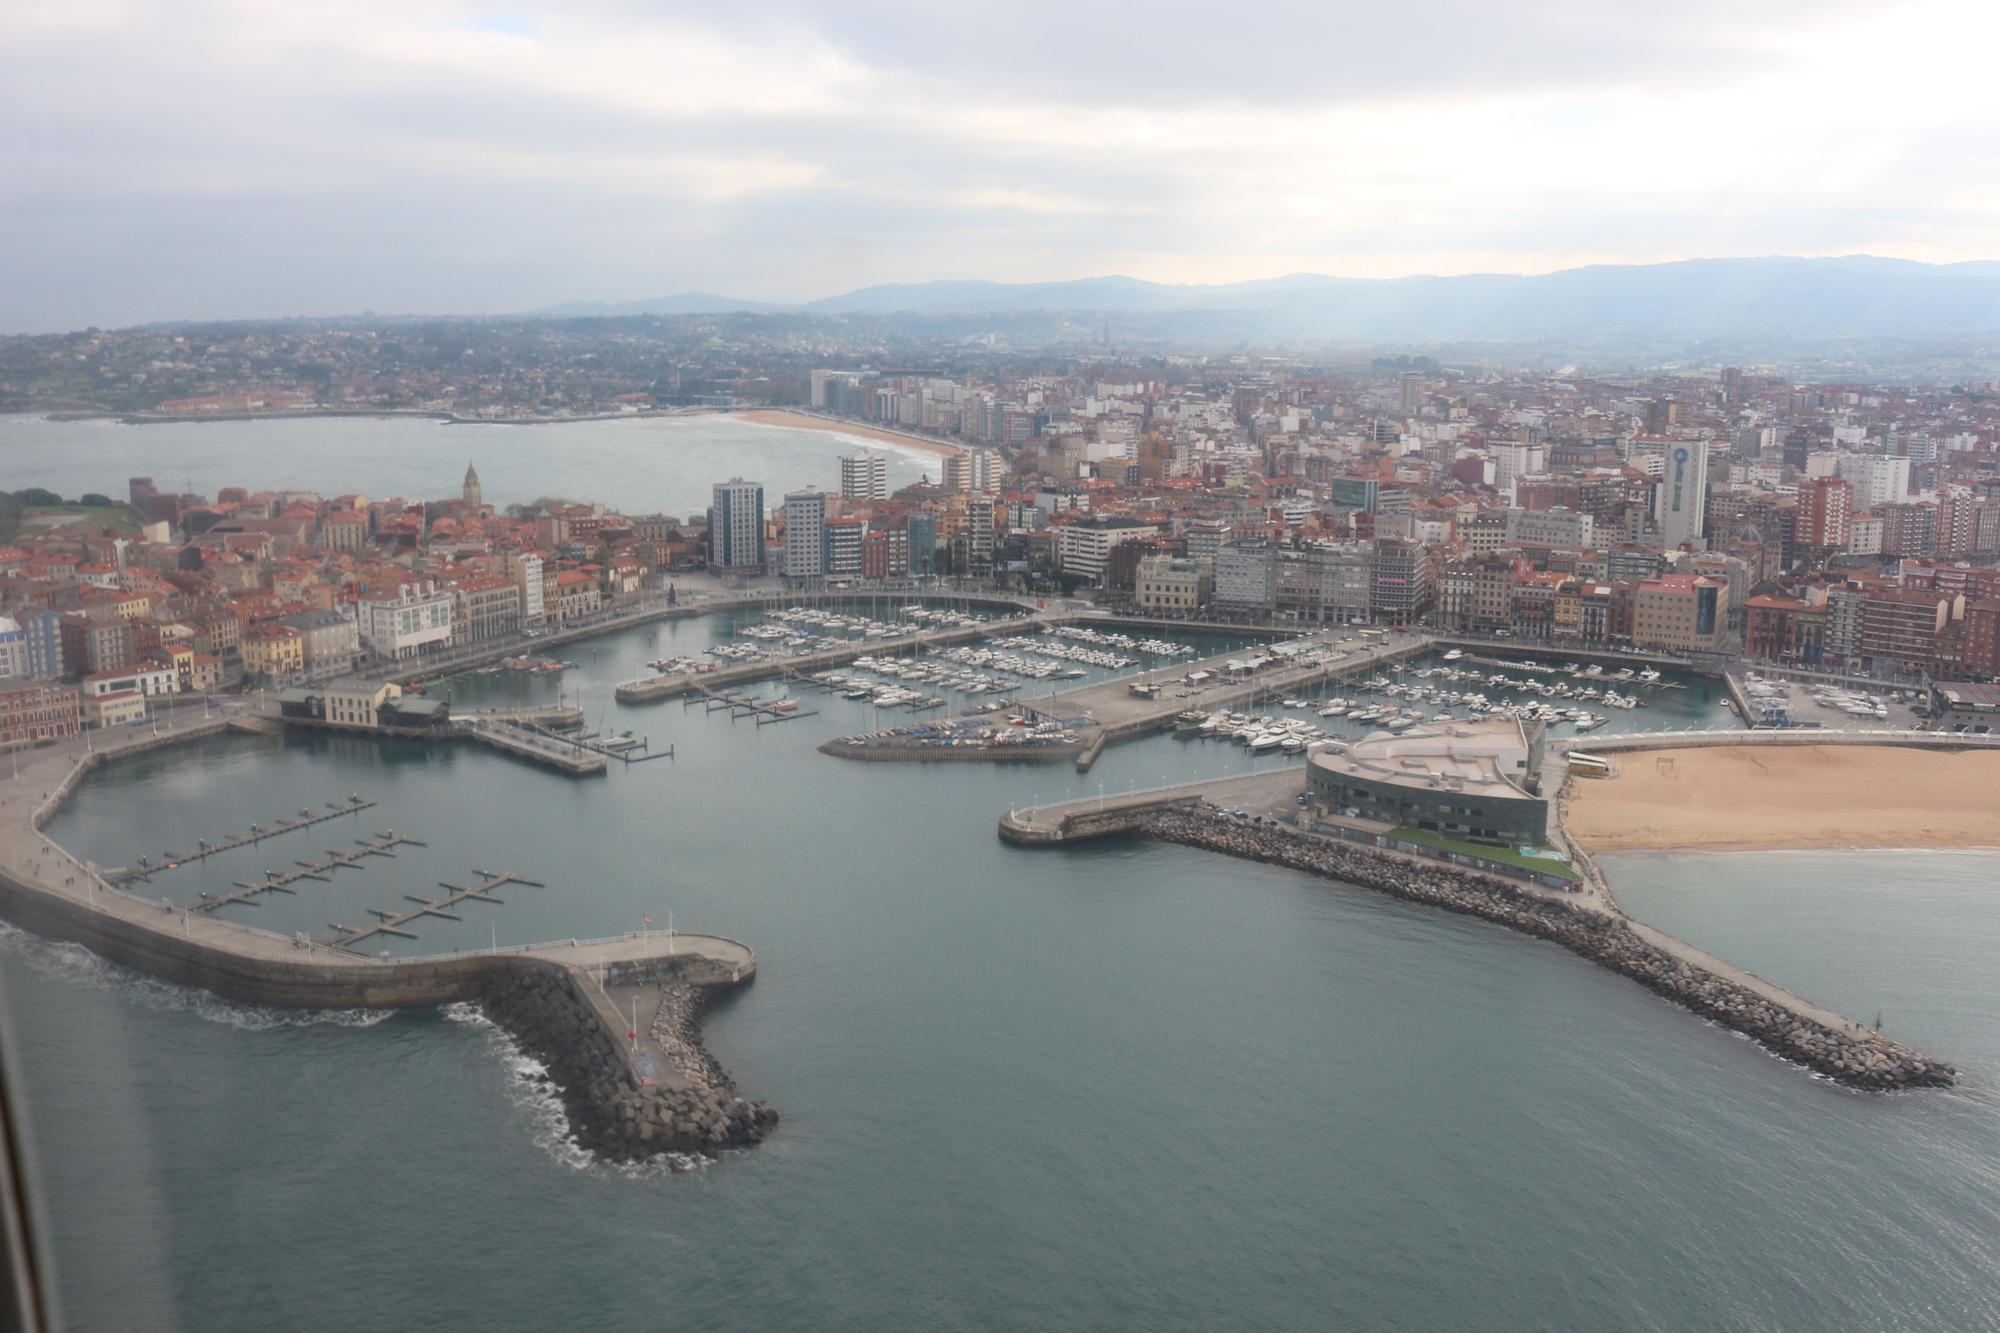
point(220, 158)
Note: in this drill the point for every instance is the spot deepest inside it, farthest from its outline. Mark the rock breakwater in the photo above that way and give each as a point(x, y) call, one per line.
point(1872, 1062)
point(611, 1111)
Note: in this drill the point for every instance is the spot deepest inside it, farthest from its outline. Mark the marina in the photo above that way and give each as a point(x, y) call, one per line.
point(275, 881)
point(738, 705)
point(172, 860)
point(393, 922)
point(1157, 948)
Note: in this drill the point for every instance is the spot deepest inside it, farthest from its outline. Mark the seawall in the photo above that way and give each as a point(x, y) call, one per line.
point(1835, 1049)
point(550, 997)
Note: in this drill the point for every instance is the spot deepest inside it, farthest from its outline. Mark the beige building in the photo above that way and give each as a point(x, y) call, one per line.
point(114, 710)
point(1681, 613)
point(1171, 584)
point(358, 703)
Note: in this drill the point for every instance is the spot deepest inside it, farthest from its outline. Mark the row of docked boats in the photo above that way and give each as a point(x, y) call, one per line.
point(930, 671)
point(1259, 733)
point(1112, 639)
point(989, 658)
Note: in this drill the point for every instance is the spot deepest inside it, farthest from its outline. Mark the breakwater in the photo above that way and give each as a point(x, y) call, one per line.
point(1861, 1060)
point(613, 1112)
point(551, 997)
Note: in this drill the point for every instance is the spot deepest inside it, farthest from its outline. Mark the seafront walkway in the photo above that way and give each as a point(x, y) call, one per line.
point(1626, 741)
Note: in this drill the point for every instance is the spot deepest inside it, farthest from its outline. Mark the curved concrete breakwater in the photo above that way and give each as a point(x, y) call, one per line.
point(1842, 1051)
point(627, 1099)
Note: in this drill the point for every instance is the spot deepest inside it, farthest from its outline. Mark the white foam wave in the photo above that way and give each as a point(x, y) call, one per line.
point(531, 1090)
point(77, 965)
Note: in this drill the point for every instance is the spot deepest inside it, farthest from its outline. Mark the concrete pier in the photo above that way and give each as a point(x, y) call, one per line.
point(526, 742)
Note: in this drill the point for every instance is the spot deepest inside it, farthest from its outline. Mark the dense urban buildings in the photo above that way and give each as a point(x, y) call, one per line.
point(1852, 527)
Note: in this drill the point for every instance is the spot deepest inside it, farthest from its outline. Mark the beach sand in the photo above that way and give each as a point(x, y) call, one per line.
point(801, 421)
point(1743, 797)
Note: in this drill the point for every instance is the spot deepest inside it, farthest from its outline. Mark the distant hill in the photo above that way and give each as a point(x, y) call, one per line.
point(1770, 299)
point(687, 303)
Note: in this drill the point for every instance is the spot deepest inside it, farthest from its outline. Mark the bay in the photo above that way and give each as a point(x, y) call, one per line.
point(1125, 1086)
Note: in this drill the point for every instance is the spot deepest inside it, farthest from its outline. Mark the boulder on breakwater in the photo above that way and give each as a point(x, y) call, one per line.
point(611, 1112)
point(1872, 1062)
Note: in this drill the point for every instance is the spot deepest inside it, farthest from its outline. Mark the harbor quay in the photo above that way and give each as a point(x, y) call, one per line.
point(633, 1090)
point(1258, 817)
point(670, 685)
point(1079, 723)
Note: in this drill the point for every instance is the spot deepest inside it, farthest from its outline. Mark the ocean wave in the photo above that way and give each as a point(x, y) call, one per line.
point(529, 1088)
point(77, 965)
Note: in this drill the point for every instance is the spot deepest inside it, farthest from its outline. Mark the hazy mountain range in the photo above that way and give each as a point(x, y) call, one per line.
point(1772, 299)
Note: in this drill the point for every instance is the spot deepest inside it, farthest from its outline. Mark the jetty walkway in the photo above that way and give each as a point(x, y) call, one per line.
point(1582, 916)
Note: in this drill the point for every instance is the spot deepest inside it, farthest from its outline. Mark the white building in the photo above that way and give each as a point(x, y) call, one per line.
point(1513, 460)
point(13, 649)
point(1680, 502)
point(979, 525)
point(145, 680)
point(864, 476)
point(1086, 543)
point(528, 577)
point(417, 616)
point(1876, 480)
point(805, 532)
point(1559, 528)
point(1246, 576)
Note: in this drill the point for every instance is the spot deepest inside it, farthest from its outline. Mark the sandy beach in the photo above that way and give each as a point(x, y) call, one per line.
point(1740, 798)
point(803, 421)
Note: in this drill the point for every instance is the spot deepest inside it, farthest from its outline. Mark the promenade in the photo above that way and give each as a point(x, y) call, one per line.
point(48, 889)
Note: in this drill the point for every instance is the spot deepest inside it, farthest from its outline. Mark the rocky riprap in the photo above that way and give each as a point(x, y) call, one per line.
point(1874, 1062)
point(611, 1113)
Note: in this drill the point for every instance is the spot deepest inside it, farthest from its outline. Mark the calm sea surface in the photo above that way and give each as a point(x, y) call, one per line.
point(1129, 1086)
point(650, 465)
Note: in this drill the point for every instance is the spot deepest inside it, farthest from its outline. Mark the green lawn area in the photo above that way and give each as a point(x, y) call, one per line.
point(1501, 855)
point(48, 518)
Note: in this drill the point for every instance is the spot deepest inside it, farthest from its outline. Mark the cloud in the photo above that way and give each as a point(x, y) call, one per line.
point(219, 158)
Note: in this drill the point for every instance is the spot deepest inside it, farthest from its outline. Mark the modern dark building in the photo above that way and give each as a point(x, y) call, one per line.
point(1475, 781)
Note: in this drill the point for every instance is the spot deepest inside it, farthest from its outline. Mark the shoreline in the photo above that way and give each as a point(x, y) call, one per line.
point(384, 414)
point(1740, 798)
point(787, 419)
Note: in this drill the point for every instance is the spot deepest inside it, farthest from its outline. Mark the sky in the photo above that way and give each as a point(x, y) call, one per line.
point(226, 159)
